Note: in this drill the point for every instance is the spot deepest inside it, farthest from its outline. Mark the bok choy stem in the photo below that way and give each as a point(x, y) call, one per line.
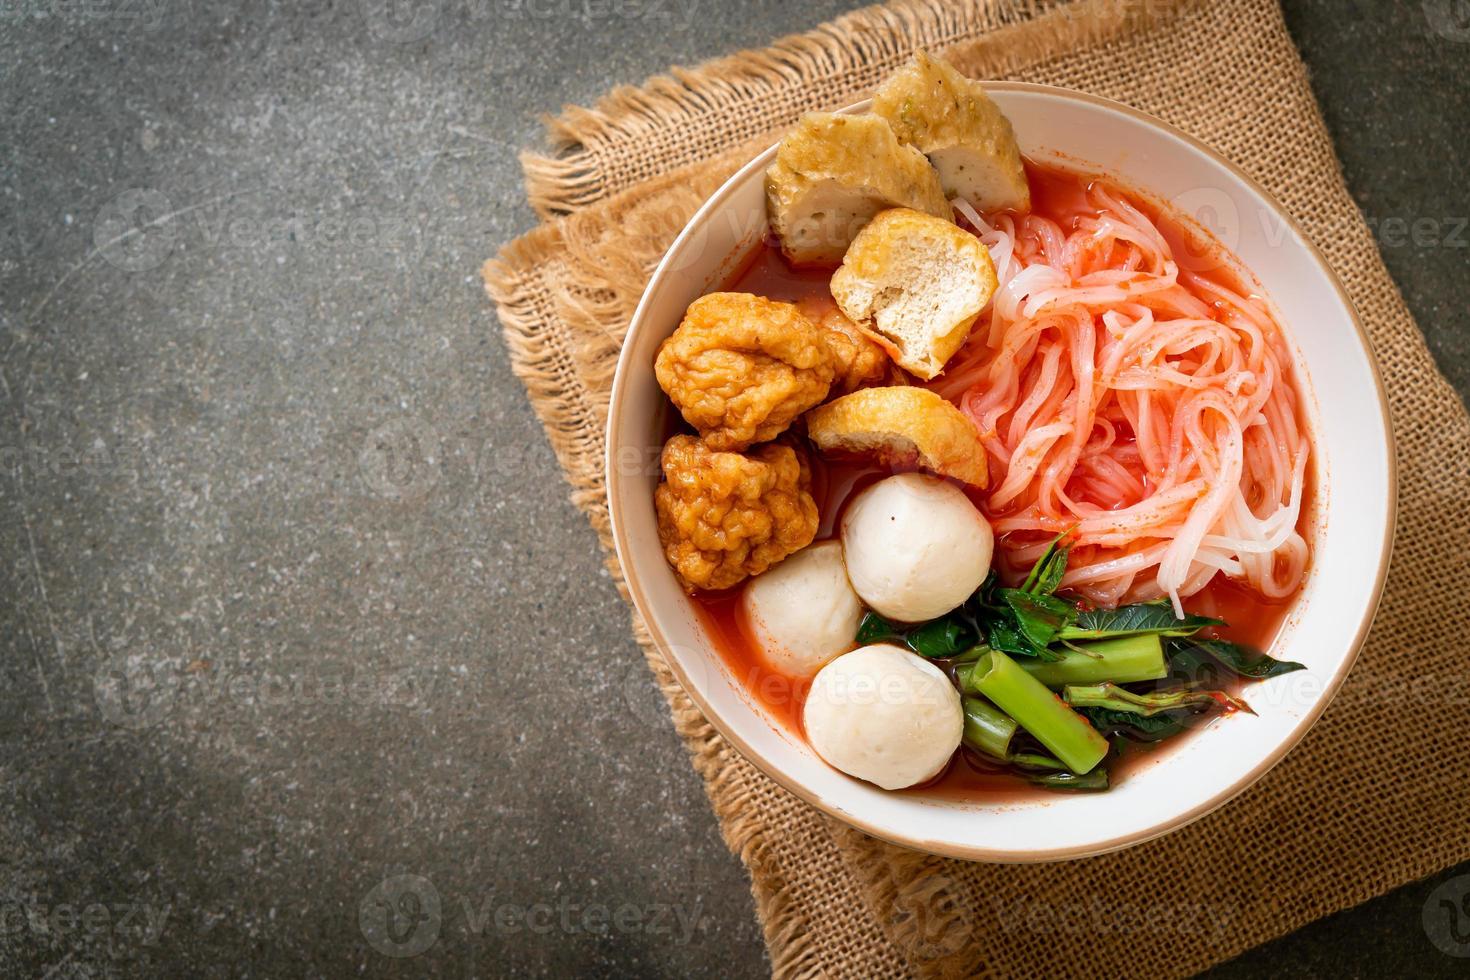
point(1063, 731)
point(987, 729)
point(1122, 661)
point(1094, 781)
point(1115, 698)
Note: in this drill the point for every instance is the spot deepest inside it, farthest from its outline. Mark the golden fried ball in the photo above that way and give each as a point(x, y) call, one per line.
point(856, 359)
point(741, 368)
point(724, 516)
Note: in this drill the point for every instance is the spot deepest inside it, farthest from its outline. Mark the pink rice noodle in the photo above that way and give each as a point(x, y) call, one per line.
point(1148, 407)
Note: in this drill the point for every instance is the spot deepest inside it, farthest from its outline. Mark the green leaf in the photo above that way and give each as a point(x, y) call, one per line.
point(943, 637)
point(985, 595)
point(1005, 637)
point(1114, 698)
point(874, 628)
point(1047, 573)
point(1039, 618)
point(1194, 658)
point(1143, 617)
point(1143, 728)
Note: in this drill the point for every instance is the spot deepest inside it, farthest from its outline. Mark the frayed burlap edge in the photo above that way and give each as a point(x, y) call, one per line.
point(587, 145)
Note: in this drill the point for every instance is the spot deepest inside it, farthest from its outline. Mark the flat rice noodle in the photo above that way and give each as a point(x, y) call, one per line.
point(1148, 407)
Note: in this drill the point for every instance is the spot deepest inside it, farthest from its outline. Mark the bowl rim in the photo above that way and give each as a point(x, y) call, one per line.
point(1117, 842)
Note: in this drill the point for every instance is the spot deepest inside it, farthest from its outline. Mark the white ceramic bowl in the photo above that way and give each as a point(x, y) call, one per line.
point(1355, 476)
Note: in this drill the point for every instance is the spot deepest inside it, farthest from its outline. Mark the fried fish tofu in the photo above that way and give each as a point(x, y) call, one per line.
point(855, 357)
point(742, 368)
point(966, 137)
point(725, 516)
point(832, 174)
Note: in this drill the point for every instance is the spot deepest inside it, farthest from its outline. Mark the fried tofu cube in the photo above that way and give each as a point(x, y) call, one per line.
point(915, 284)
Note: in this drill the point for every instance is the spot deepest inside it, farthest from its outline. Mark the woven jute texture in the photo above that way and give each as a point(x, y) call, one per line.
point(1373, 797)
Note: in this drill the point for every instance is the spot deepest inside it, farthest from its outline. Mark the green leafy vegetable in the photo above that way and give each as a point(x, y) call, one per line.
point(1193, 659)
point(1004, 636)
point(1115, 698)
point(1144, 617)
point(1047, 573)
point(1093, 782)
point(1144, 728)
point(1039, 618)
point(988, 587)
point(941, 638)
point(874, 628)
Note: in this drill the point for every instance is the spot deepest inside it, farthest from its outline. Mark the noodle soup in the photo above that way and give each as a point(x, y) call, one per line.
point(1066, 200)
point(984, 476)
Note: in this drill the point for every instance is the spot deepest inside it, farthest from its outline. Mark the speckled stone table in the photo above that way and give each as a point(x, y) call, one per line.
point(307, 661)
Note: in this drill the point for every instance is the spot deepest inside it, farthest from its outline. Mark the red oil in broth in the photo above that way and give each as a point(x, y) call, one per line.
point(1253, 620)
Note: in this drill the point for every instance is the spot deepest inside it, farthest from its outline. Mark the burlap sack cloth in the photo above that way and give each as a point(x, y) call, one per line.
point(1374, 796)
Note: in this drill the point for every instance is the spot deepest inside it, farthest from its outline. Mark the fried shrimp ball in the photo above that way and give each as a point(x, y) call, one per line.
point(724, 516)
point(741, 368)
point(856, 358)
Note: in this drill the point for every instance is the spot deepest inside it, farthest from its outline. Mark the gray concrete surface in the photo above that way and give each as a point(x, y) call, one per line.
point(298, 625)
